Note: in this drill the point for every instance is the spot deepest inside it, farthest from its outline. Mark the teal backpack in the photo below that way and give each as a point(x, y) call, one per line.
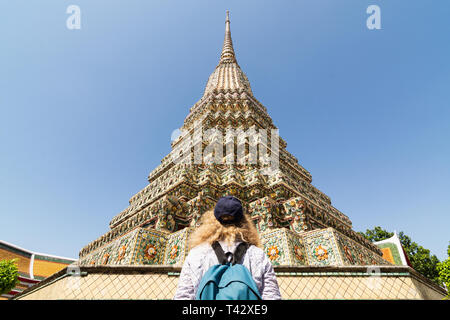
point(228, 280)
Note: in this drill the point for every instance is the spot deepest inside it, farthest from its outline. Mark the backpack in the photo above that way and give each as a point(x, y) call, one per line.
point(228, 280)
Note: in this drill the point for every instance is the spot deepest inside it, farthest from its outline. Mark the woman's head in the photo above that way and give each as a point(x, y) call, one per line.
point(228, 210)
point(217, 225)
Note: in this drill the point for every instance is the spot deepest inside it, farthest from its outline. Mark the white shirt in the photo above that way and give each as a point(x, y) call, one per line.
point(203, 257)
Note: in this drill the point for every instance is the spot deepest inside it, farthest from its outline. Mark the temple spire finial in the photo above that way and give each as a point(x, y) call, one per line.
point(227, 76)
point(227, 50)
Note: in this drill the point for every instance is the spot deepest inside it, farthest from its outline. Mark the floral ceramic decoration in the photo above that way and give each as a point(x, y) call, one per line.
point(273, 252)
point(150, 251)
point(321, 253)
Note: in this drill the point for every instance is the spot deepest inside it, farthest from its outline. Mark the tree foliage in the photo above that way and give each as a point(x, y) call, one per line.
point(9, 275)
point(444, 271)
point(421, 259)
point(377, 234)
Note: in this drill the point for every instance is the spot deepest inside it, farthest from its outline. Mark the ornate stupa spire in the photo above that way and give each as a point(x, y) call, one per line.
point(227, 55)
point(228, 76)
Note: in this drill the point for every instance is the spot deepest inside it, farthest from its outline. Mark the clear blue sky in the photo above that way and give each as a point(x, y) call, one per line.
point(86, 114)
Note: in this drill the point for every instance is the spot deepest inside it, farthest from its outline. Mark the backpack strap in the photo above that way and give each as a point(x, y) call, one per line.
point(229, 257)
point(219, 252)
point(239, 252)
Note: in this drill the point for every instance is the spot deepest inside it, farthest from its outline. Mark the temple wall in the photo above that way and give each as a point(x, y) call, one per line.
point(23, 260)
point(44, 268)
point(160, 282)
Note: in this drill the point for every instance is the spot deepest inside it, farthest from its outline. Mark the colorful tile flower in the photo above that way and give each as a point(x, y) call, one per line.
point(321, 253)
point(273, 252)
point(150, 251)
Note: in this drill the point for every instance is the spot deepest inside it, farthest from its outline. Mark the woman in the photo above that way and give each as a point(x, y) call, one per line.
point(228, 225)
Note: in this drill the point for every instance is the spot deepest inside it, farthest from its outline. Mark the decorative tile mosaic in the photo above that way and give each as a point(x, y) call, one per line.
point(284, 247)
point(197, 207)
point(117, 252)
point(353, 253)
point(264, 212)
point(321, 249)
point(177, 247)
point(297, 249)
point(166, 210)
point(150, 247)
point(295, 211)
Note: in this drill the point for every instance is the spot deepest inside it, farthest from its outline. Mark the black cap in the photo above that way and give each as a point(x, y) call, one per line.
point(228, 210)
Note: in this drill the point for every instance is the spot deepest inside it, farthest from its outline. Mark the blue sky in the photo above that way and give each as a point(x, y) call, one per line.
point(86, 114)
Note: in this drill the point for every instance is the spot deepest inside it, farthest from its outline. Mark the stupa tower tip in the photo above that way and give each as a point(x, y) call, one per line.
point(227, 54)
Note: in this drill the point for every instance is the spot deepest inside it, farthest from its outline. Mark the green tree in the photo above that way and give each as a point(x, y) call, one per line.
point(421, 259)
point(444, 272)
point(377, 234)
point(9, 275)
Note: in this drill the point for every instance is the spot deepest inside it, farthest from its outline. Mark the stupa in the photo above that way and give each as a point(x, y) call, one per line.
point(315, 252)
